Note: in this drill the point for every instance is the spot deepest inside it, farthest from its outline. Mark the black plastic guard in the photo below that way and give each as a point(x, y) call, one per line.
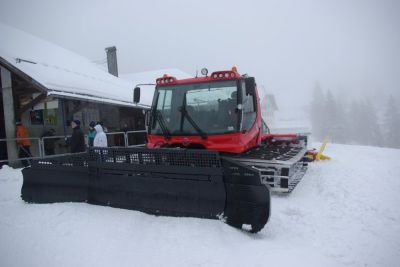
point(248, 201)
point(174, 182)
point(56, 179)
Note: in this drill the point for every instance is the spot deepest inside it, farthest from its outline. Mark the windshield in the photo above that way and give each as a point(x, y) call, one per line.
point(196, 109)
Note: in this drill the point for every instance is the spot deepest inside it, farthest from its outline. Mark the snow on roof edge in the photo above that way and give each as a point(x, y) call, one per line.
point(95, 99)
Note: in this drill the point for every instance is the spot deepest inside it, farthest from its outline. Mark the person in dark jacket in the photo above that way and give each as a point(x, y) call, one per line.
point(49, 143)
point(77, 140)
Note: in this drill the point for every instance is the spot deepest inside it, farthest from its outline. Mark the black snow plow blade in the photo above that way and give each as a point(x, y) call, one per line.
point(173, 182)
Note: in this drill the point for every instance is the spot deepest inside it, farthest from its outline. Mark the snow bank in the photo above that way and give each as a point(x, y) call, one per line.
point(345, 212)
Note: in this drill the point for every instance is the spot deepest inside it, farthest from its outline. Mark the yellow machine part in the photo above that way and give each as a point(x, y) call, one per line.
point(318, 155)
point(321, 156)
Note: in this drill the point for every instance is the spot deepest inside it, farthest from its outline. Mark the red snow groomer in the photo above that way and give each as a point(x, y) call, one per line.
point(209, 154)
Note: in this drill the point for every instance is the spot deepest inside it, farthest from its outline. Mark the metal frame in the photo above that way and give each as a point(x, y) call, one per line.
point(26, 158)
point(40, 142)
point(280, 167)
point(134, 132)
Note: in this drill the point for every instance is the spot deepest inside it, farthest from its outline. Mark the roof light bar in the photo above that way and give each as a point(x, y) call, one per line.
point(166, 80)
point(224, 75)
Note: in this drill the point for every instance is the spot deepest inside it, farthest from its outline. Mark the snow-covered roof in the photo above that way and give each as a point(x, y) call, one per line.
point(62, 72)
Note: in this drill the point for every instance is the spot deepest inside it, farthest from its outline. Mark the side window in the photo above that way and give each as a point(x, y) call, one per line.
point(249, 113)
point(164, 106)
point(164, 100)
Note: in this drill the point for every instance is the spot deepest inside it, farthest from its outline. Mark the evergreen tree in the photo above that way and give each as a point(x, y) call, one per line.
point(371, 130)
point(363, 126)
point(330, 123)
point(334, 125)
point(392, 124)
point(353, 117)
point(316, 112)
point(357, 123)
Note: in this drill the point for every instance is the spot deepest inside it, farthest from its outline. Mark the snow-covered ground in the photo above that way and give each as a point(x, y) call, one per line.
point(345, 212)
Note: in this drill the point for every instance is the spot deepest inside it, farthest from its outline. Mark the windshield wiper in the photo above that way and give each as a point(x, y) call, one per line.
point(161, 122)
point(186, 114)
point(159, 117)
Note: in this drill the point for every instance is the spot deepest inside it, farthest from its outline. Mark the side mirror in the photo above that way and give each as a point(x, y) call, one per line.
point(250, 85)
point(136, 95)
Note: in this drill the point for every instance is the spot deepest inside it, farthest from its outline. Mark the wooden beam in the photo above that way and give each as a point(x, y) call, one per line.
point(9, 115)
point(31, 104)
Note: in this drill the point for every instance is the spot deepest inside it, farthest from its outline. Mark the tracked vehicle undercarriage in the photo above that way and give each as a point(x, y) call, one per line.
point(281, 166)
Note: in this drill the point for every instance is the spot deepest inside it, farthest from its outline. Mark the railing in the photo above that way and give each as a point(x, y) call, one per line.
point(57, 138)
point(121, 139)
point(135, 138)
point(116, 139)
point(35, 142)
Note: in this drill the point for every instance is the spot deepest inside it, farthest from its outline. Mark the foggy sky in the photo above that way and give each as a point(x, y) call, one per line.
point(349, 46)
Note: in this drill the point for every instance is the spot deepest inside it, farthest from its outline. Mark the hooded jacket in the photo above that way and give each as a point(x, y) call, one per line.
point(100, 140)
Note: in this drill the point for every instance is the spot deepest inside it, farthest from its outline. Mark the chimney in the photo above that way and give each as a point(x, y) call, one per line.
point(112, 60)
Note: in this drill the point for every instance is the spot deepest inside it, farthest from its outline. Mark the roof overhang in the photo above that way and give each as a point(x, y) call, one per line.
point(68, 95)
point(89, 98)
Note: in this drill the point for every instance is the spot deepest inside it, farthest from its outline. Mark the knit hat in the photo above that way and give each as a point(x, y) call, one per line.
point(77, 122)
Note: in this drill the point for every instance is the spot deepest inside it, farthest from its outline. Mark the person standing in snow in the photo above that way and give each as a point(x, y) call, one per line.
point(92, 133)
point(49, 143)
point(77, 140)
point(24, 143)
point(100, 140)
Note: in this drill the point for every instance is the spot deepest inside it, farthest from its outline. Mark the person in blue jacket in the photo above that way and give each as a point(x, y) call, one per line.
point(92, 133)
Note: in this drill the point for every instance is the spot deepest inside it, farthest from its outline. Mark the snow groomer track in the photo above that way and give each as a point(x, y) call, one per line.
point(281, 166)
